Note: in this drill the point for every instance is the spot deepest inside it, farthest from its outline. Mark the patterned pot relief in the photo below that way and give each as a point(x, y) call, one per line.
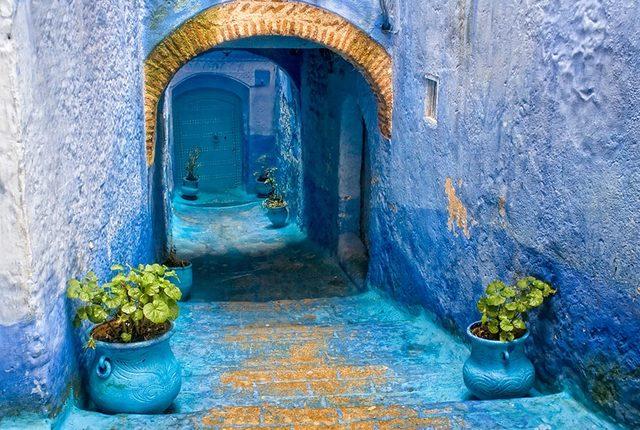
point(135, 378)
point(498, 370)
point(184, 281)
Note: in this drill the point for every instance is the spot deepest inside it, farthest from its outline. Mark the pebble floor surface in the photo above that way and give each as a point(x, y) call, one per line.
point(276, 337)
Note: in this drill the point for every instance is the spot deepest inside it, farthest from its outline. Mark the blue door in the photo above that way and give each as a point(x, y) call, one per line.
point(210, 119)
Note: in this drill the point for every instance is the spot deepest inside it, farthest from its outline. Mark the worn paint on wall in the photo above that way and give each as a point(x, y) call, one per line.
point(14, 254)
point(289, 144)
point(84, 196)
point(537, 108)
point(327, 81)
point(163, 16)
point(458, 217)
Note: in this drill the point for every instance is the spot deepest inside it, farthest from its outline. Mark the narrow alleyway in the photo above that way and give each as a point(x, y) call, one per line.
point(275, 336)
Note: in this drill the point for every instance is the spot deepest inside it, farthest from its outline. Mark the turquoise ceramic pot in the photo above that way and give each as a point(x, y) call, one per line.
point(498, 370)
point(189, 189)
point(135, 378)
point(278, 216)
point(184, 281)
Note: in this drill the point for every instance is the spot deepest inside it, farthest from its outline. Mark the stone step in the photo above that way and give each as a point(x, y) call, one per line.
point(557, 411)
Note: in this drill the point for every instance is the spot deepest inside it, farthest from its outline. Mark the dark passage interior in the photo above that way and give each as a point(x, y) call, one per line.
point(284, 110)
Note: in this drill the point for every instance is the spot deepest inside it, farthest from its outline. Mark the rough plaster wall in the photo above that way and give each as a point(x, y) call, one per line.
point(162, 16)
point(85, 178)
point(537, 140)
point(14, 253)
point(289, 146)
point(327, 80)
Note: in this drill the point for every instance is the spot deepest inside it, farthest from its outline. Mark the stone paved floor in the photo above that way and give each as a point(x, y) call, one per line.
point(276, 337)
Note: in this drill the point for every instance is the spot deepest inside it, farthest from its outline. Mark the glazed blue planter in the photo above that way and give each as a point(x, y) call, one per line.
point(498, 370)
point(135, 378)
point(184, 281)
point(189, 189)
point(263, 189)
point(278, 216)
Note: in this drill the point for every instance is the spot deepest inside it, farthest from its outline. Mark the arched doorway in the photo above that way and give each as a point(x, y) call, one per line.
point(242, 19)
point(330, 60)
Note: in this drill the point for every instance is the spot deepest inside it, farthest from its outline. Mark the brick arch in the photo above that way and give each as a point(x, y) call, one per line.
point(241, 19)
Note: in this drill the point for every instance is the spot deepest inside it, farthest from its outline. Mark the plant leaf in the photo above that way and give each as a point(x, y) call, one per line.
point(156, 311)
point(137, 315)
point(173, 292)
point(73, 289)
point(511, 306)
point(519, 324)
point(97, 314)
point(508, 292)
point(493, 326)
point(506, 325)
point(495, 300)
point(129, 308)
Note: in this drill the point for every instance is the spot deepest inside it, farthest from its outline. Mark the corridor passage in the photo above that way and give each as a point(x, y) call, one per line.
point(275, 336)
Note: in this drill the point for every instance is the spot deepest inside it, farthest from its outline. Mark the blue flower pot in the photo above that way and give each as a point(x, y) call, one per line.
point(263, 189)
point(278, 216)
point(498, 370)
point(184, 281)
point(135, 378)
point(189, 190)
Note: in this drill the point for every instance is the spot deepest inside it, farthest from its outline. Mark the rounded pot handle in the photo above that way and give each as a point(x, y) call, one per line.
point(505, 355)
point(103, 369)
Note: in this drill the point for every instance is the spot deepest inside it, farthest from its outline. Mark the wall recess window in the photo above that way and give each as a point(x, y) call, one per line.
point(431, 99)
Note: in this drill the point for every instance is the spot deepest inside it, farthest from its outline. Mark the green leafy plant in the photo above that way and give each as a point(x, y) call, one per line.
point(192, 165)
point(136, 304)
point(275, 199)
point(504, 308)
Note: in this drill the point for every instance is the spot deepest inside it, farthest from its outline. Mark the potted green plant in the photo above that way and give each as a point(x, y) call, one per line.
point(190, 185)
point(133, 368)
point(498, 366)
point(276, 206)
point(265, 182)
point(183, 270)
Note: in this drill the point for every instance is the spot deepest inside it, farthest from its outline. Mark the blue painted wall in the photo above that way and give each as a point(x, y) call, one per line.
point(537, 129)
point(537, 132)
point(327, 81)
point(288, 140)
point(85, 184)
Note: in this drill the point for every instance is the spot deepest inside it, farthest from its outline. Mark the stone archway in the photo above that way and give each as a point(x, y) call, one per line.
point(241, 19)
